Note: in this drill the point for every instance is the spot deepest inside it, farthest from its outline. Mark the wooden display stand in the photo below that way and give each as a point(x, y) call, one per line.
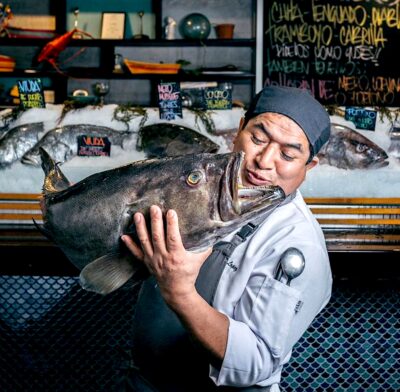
point(349, 224)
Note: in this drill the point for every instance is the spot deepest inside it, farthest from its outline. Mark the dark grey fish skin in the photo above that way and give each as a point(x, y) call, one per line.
point(87, 219)
point(4, 130)
point(348, 149)
point(17, 141)
point(61, 142)
point(164, 139)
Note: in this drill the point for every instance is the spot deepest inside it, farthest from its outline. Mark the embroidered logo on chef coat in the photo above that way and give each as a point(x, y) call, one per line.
point(231, 265)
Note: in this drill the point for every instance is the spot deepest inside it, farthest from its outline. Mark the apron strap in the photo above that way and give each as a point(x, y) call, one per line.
point(211, 271)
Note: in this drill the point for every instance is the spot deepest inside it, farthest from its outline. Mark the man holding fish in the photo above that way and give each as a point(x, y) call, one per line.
point(233, 329)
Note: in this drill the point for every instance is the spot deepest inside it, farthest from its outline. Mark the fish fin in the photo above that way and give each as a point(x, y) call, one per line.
point(55, 179)
point(109, 272)
point(44, 231)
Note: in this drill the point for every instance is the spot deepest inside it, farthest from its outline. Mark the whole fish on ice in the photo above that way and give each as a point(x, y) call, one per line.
point(17, 141)
point(62, 143)
point(87, 219)
point(348, 149)
point(164, 139)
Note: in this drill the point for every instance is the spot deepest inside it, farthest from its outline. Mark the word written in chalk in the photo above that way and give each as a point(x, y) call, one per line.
point(31, 93)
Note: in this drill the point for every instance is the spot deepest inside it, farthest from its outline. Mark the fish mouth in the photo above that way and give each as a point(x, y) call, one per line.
point(242, 200)
point(380, 163)
point(30, 160)
point(378, 160)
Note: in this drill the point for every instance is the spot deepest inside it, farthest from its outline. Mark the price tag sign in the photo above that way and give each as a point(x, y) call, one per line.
point(217, 98)
point(31, 93)
point(169, 100)
point(361, 118)
point(93, 146)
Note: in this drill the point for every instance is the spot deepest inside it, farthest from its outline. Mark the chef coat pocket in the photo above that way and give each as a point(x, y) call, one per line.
point(273, 313)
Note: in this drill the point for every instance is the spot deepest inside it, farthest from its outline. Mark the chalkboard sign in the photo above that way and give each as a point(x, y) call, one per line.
point(218, 98)
point(344, 51)
point(31, 93)
point(93, 146)
point(169, 100)
point(362, 118)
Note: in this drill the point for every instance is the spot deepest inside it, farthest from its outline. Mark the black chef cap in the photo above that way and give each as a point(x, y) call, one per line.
point(297, 104)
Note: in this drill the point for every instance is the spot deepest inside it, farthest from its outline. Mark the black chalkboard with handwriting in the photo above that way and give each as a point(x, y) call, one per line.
point(169, 100)
point(31, 93)
point(344, 51)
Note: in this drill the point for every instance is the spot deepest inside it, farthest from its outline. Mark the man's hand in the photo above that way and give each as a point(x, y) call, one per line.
point(176, 271)
point(175, 268)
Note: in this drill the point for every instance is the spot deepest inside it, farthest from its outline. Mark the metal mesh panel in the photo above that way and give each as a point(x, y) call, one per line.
point(352, 346)
point(54, 336)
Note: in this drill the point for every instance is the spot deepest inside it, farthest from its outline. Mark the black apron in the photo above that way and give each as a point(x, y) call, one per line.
point(165, 358)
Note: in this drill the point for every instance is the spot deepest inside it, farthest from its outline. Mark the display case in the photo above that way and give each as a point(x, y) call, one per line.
point(144, 40)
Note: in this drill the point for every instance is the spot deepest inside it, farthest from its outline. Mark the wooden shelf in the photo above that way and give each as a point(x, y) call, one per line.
point(17, 229)
point(250, 42)
point(105, 50)
point(96, 73)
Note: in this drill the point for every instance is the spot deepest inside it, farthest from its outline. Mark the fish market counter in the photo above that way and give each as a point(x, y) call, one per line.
point(353, 192)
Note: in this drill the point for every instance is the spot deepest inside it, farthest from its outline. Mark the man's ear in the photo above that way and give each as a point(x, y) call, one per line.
point(241, 123)
point(314, 162)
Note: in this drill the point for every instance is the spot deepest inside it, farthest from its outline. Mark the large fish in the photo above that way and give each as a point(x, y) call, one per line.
point(164, 139)
point(348, 149)
point(62, 143)
point(87, 219)
point(17, 141)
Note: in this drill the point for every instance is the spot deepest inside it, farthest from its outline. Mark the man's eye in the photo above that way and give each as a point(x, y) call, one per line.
point(286, 157)
point(257, 141)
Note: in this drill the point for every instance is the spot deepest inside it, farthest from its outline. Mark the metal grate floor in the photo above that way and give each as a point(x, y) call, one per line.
point(56, 337)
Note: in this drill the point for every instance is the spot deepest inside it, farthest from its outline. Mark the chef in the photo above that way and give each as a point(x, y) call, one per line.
point(227, 318)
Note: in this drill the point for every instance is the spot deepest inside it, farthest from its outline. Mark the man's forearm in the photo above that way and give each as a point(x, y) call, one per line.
point(208, 326)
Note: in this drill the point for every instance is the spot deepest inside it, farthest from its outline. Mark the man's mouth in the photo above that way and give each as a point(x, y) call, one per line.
point(253, 178)
point(254, 195)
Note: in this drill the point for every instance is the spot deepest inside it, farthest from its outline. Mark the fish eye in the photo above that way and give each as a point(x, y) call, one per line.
point(361, 147)
point(194, 178)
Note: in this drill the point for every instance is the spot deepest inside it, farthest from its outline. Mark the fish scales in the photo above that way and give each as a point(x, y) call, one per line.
point(17, 141)
point(349, 149)
point(165, 139)
point(87, 219)
point(62, 144)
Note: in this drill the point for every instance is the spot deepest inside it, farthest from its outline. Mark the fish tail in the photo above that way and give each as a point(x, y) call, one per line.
point(55, 179)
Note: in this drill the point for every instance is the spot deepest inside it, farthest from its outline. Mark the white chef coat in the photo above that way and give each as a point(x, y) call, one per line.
point(267, 317)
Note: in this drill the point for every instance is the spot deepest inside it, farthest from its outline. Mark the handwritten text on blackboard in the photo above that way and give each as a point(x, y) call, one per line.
point(343, 50)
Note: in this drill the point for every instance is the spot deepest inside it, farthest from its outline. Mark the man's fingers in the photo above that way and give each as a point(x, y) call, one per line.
point(143, 234)
point(174, 240)
point(135, 249)
point(157, 229)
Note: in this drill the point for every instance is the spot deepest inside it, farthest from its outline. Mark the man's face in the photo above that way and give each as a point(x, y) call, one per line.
point(276, 151)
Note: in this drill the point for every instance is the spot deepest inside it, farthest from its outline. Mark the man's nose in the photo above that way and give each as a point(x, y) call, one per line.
point(266, 157)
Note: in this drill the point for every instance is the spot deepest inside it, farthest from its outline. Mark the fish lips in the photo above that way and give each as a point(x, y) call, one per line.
point(382, 162)
point(375, 159)
point(236, 200)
